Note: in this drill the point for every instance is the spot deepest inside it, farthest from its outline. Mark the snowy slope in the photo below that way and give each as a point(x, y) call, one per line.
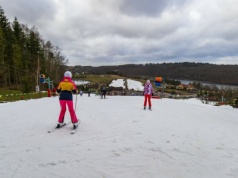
point(131, 84)
point(118, 83)
point(135, 85)
point(118, 139)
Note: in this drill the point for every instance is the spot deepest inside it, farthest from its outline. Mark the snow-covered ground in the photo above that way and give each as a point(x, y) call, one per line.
point(131, 84)
point(135, 85)
point(81, 82)
point(118, 83)
point(118, 139)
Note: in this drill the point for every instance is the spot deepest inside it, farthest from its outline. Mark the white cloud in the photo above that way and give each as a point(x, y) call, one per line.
point(109, 32)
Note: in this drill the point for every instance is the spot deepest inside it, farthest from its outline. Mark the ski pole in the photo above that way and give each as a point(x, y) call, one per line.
point(75, 103)
point(75, 106)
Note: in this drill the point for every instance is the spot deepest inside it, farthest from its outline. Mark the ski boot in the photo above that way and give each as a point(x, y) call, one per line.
point(75, 125)
point(59, 125)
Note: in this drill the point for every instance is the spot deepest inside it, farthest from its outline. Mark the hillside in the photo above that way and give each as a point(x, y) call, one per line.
point(218, 74)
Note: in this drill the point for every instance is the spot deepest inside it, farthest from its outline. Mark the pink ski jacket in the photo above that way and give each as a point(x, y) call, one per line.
point(148, 89)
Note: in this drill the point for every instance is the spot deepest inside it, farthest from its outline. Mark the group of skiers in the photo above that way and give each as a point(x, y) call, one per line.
point(67, 88)
point(103, 92)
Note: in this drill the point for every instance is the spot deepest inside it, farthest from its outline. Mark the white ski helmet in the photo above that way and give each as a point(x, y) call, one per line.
point(68, 74)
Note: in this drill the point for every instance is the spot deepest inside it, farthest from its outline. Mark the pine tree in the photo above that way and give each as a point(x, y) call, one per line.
point(18, 48)
point(7, 56)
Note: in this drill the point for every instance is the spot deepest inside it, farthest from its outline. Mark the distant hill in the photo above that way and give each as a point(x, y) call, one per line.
point(219, 74)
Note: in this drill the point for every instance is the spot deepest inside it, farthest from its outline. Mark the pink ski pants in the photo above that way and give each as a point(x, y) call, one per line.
point(63, 104)
point(147, 97)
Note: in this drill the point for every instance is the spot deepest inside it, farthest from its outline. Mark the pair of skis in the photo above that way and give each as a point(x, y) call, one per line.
point(72, 131)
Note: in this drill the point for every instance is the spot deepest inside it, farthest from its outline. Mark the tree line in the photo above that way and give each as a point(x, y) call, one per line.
point(24, 55)
point(204, 72)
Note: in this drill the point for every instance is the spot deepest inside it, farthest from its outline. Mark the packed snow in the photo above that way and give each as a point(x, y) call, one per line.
point(118, 83)
point(135, 85)
point(117, 138)
point(81, 82)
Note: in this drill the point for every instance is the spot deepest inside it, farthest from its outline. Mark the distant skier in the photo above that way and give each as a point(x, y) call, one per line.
point(148, 90)
point(103, 91)
point(66, 88)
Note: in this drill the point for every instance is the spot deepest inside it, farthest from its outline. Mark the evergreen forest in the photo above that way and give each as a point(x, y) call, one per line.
point(24, 55)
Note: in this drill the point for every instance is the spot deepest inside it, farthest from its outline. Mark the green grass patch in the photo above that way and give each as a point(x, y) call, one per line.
point(7, 95)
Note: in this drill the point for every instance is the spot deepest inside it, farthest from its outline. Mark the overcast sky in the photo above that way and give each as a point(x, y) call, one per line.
point(113, 32)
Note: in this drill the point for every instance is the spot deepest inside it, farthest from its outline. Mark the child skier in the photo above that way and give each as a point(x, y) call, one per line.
point(148, 89)
point(66, 88)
